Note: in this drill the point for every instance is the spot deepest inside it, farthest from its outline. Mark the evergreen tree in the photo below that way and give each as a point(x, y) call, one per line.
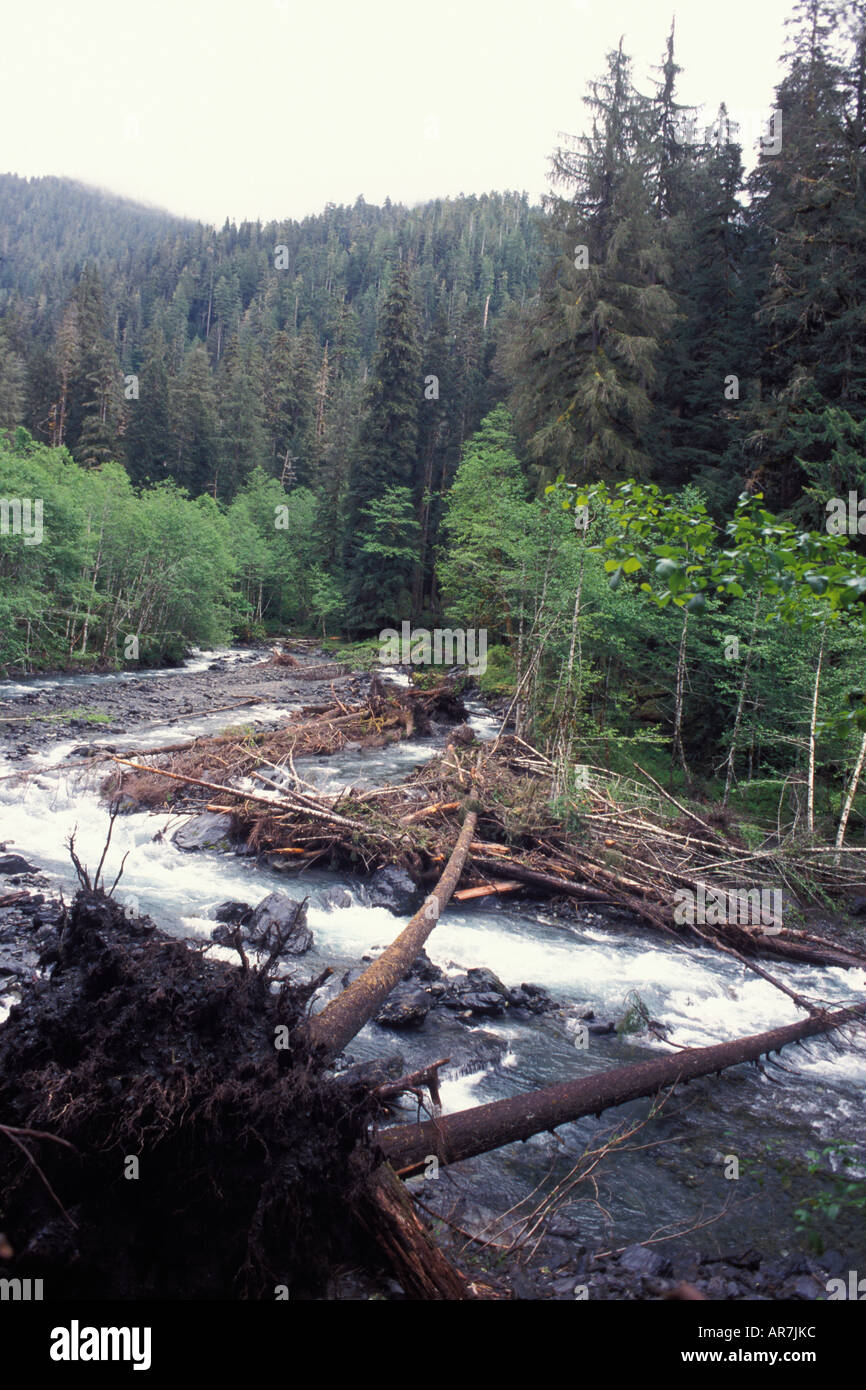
point(588, 352)
point(195, 430)
point(385, 458)
point(13, 383)
point(243, 441)
point(147, 434)
point(806, 204)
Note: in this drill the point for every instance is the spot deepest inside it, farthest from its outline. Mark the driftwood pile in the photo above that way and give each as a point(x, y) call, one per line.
point(607, 845)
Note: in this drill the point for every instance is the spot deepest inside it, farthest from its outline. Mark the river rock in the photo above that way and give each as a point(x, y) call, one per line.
point(489, 1003)
point(283, 914)
point(424, 971)
point(533, 998)
point(207, 831)
point(331, 898)
point(392, 888)
point(14, 864)
point(479, 991)
point(404, 1008)
point(231, 911)
point(638, 1260)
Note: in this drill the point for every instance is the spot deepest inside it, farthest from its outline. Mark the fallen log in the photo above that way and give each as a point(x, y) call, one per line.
point(534, 879)
point(282, 804)
point(429, 811)
point(346, 1015)
point(465, 894)
point(385, 1211)
point(467, 1133)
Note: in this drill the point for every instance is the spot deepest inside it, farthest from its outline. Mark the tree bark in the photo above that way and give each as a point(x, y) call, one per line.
point(386, 1212)
point(346, 1015)
point(467, 1133)
point(741, 700)
point(849, 801)
point(813, 724)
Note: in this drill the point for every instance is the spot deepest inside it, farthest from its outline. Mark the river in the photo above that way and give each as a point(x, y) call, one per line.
point(767, 1119)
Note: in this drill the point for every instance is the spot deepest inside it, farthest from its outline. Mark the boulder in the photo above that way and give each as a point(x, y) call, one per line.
point(392, 888)
point(532, 998)
point(423, 970)
point(14, 864)
point(231, 911)
point(488, 1003)
point(404, 1008)
point(208, 831)
point(479, 991)
point(331, 898)
point(278, 912)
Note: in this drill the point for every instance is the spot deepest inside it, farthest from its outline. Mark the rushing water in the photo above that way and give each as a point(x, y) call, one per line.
point(767, 1119)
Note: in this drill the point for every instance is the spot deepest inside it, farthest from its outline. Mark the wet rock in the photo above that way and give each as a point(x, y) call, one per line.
point(532, 998)
point(14, 864)
point(208, 831)
point(331, 898)
point(280, 913)
point(425, 971)
point(392, 888)
point(479, 991)
point(405, 1008)
point(231, 911)
point(487, 1003)
point(485, 982)
point(638, 1260)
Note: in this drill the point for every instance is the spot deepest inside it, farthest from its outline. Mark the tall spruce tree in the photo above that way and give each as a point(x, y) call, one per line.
point(812, 225)
point(587, 356)
point(147, 433)
point(195, 426)
point(385, 458)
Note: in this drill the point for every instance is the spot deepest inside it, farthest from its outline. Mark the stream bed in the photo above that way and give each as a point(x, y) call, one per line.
point(769, 1120)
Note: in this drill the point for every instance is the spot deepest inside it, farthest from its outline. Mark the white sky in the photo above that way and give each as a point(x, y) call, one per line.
point(273, 108)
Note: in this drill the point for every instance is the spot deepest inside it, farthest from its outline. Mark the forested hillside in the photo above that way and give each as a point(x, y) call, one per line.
point(364, 410)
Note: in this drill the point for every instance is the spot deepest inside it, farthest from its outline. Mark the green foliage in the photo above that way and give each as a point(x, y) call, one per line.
point(636, 1015)
point(112, 564)
point(834, 1196)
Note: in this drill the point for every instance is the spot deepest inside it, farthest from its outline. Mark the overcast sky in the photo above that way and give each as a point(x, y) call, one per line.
point(273, 108)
